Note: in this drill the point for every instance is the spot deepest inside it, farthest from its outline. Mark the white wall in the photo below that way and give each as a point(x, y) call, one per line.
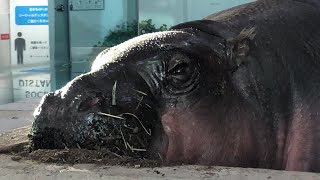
point(5, 74)
point(202, 8)
point(168, 12)
point(89, 27)
point(172, 12)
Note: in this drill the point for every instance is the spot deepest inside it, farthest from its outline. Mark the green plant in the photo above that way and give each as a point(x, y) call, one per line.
point(127, 31)
point(146, 26)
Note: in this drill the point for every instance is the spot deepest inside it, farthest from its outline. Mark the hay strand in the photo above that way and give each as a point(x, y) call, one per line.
point(135, 149)
point(128, 127)
point(140, 150)
point(116, 154)
point(148, 106)
point(139, 102)
point(110, 115)
point(140, 92)
point(114, 89)
point(149, 133)
point(124, 140)
point(78, 146)
point(141, 142)
point(160, 157)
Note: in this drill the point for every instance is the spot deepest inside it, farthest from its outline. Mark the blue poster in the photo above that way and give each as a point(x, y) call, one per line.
point(31, 15)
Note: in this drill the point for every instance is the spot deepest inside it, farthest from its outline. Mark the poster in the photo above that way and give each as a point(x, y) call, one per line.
point(29, 33)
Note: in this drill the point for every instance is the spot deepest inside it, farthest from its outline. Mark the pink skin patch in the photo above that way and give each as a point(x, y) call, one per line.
point(236, 136)
point(300, 143)
point(199, 137)
point(181, 135)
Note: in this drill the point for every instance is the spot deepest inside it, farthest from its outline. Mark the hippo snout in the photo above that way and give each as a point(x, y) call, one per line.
point(115, 112)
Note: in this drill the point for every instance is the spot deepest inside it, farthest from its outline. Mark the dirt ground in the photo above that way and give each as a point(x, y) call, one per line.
point(15, 143)
point(17, 162)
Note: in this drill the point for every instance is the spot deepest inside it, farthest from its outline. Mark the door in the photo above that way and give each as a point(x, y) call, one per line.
point(59, 43)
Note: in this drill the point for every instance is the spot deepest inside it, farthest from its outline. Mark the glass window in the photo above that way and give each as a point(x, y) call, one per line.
point(93, 29)
point(25, 60)
point(171, 12)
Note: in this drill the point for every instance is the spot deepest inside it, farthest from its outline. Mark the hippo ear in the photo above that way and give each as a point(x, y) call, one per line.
point(237, 44)
point(238, 47)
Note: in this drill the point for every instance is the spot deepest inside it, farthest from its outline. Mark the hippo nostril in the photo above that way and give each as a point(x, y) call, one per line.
point(88, 103)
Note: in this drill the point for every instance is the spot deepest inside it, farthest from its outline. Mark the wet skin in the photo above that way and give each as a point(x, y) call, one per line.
point(239, 88)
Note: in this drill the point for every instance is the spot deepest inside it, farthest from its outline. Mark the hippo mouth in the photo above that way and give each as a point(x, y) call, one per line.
point(123, 120)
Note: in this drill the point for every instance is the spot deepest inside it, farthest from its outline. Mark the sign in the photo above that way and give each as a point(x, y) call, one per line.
point(31, 15)
point(29, 32)
point(5, 36)
point(76, 5)
point(31, 83)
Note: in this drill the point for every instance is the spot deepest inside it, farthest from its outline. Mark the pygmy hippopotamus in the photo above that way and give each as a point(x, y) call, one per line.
point(237, 88)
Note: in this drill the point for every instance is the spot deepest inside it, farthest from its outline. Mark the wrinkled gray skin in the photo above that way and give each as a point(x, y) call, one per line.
point(239, 88)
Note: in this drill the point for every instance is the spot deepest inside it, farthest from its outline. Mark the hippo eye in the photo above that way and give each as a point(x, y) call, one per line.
point(179, 69)
point(179, 73)
point(182, 73)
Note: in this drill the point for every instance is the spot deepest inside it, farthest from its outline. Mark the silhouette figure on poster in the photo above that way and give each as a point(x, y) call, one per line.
point(20, 46)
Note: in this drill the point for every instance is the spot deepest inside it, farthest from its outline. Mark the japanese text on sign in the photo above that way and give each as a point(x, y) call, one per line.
point(39, 45)
point(31, 15)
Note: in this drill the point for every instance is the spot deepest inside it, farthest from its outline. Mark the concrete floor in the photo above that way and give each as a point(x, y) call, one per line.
point(19, 114)
point(29, 170)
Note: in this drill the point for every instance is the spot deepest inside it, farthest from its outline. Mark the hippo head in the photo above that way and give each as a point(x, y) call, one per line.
point(164, 93)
